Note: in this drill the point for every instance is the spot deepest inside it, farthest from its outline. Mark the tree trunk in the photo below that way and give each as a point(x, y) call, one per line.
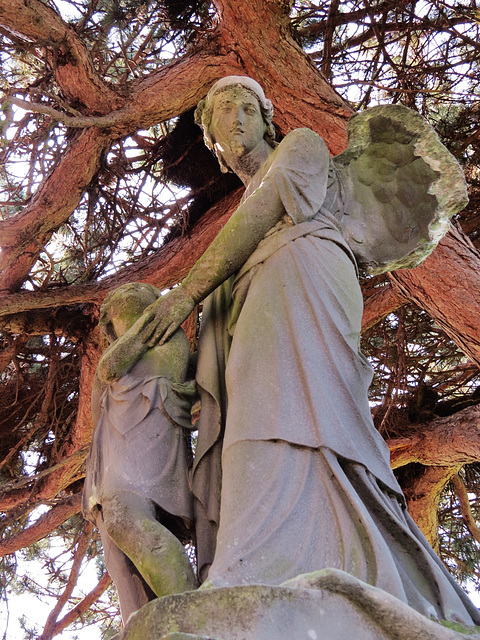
point(447, 286)
point(422, 494)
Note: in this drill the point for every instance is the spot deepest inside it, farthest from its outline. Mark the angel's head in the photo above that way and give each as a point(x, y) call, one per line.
point(236, 115)
point(123, 306)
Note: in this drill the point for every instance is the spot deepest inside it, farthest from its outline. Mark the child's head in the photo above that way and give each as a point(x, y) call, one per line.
point(123, 306)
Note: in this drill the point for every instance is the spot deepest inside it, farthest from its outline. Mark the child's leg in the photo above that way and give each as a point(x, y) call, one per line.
point(159, 557)
point(133, 592)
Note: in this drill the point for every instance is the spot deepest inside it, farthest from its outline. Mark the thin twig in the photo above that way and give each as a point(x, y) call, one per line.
point(80, 122)
point(80, 551)
point(465, 509)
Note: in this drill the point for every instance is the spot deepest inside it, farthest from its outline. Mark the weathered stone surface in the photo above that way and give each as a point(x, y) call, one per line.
point(325, 605)
point(282, 384)
point(184, 636)
point(138, 459)
point(279, 341)
point(401, 187)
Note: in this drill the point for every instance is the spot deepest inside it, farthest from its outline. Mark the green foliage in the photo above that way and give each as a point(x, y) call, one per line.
point(460, 550)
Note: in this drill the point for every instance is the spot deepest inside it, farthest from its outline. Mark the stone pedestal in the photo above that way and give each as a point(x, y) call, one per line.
point(325, 605)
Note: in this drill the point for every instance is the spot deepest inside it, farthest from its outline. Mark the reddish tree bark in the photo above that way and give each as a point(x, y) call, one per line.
point(443, 446)
point(423, 495)
point(43, 526)
point(83, 606)
point(67, 54)
point(447, 286)
point(450, 441)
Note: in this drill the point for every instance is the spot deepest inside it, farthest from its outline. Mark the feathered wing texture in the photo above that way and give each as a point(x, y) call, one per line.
point(400, 187)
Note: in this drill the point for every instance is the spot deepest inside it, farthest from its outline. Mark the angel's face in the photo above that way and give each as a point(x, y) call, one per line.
point(237, 125)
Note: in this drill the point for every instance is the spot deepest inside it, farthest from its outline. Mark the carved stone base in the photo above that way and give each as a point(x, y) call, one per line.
point(324, 605)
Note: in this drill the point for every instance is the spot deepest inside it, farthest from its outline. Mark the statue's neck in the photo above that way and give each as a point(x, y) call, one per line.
point(246, 166)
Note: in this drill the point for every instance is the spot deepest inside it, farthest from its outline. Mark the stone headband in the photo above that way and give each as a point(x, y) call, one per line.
point(244, 81)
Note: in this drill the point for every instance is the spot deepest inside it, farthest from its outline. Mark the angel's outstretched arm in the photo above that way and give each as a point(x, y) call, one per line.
point(125, 352)
point(294, 185)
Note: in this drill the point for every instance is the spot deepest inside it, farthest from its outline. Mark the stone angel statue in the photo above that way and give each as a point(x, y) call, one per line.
point(290, 475)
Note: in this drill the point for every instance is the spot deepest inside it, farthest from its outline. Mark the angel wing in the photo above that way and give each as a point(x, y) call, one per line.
point(400, 188)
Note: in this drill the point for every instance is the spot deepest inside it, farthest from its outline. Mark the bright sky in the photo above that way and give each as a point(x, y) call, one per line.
point(36, 611)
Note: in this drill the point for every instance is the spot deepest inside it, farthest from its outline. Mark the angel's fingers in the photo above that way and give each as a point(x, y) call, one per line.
point(145, 319)
point(167, 334)
point(161, 335)
point(146, 332)
point(155, 337)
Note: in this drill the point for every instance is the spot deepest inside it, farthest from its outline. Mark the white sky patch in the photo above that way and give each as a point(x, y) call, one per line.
point(36, 609)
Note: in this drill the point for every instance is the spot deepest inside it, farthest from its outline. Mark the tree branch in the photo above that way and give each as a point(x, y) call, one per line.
point(76, 122)
point(450, 441)
point(328, 37)
point(80, 551)
point(23, 236)
point(84, 605)
point(164, 94)
point(41, 26)
point(447, 286)
point(423, 496)
point(377, 306)
point(69, 464)
point(164, 269)
point(61, 322)
point(467, 514)
point(45, 524)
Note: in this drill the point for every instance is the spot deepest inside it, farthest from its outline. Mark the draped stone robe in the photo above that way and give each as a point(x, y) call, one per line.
point(139, 445)
point(286, 444)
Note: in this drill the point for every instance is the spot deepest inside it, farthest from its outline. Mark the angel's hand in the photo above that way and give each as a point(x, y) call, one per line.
point(162, 318)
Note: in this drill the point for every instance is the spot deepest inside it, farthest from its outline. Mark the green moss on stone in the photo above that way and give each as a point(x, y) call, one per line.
point(460, 628)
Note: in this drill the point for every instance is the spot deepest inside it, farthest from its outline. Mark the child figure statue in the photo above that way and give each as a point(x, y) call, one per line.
point(136, 486)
